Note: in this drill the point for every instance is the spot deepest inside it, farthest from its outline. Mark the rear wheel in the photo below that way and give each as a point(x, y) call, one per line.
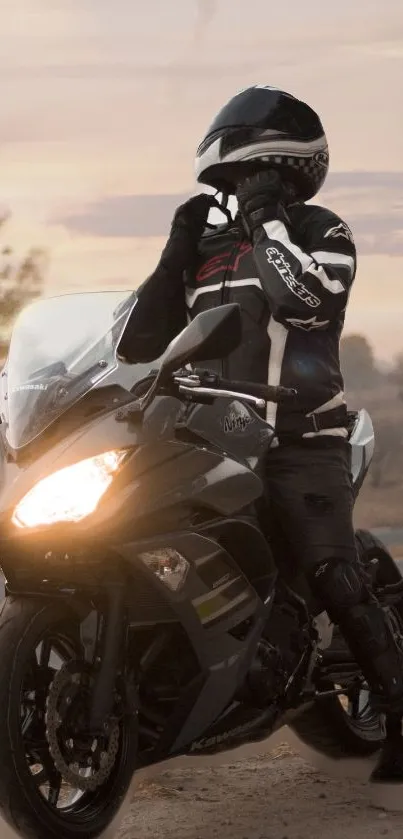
point(340, 726)
point(56, 780)
point(347, 726)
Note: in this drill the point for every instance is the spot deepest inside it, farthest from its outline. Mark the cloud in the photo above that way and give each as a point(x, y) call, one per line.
point(366, 180)
point(370, 201)
point(73, 72)
point(127, 215)
point(206, 11)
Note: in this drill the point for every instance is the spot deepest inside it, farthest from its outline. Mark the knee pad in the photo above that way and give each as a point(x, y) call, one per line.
point(339, 583)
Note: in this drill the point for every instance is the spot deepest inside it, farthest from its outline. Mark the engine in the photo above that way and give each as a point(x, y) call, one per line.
point(279, 652)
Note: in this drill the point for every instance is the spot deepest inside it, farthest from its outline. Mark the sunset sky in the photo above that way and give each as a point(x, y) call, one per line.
point(105, 101)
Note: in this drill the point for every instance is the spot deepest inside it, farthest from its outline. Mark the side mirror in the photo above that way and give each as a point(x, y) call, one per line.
point(212, 334)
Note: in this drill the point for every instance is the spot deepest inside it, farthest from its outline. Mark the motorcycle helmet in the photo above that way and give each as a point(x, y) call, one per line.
point(264, 126)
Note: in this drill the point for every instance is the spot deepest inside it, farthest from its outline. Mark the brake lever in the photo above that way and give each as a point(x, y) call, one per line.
point(214, 393)
point(191, 380)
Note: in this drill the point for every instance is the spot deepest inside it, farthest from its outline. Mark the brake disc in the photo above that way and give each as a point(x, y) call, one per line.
point(84, 761)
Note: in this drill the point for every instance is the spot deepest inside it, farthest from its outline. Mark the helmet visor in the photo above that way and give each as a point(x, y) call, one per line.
point(265, 109)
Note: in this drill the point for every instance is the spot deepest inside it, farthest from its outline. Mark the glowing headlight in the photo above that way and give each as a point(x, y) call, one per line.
point(70, 494)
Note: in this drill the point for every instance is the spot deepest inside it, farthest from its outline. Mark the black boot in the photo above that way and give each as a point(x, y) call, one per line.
point(370, 639)
point(350, 603)
point(343, 590)
point(389, 769)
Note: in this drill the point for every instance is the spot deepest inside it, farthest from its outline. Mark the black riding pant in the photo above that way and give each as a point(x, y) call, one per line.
point(311, 498)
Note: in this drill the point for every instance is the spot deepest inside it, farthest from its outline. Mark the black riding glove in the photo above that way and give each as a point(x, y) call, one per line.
point(259, 199)
point(188, 225)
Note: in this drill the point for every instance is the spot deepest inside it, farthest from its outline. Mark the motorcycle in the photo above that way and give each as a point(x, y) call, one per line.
point(147, 615)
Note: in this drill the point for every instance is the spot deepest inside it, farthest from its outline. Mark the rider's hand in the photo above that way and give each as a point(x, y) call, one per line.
point(192, 216)
point(259, 199)
point(188, 225)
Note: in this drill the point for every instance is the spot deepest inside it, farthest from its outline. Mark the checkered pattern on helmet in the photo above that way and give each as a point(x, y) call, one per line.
point(306, 165)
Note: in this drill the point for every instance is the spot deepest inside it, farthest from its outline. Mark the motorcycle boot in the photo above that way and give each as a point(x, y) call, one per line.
point(342, 587)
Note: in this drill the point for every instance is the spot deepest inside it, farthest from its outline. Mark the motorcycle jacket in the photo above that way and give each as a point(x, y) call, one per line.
point(292, 286)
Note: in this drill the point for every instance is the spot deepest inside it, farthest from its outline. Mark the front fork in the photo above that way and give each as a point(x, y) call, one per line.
point(103, 642)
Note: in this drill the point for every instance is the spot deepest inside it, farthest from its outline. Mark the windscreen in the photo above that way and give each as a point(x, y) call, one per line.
point(61, 347)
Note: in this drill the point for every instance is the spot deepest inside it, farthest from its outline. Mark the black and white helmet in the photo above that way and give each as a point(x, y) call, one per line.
point(264, 125)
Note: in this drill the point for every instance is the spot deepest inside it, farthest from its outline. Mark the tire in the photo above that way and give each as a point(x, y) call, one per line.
point(328, 729)
point(24, 623)
point(326, 726)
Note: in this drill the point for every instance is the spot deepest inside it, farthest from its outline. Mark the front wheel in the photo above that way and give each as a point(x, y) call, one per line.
point(56, 780)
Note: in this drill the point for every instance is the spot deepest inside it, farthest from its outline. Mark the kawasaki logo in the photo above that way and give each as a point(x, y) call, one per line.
point(18, 388)
point(277, 259)
point(199, 745)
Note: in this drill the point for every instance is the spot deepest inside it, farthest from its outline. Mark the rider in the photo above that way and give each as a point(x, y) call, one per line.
point(290, 266)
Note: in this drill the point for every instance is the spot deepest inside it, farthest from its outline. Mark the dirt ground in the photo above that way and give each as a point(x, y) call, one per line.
point(276, 796)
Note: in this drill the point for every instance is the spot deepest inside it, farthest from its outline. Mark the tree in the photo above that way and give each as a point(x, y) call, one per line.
point(21, 281)
point(357, 362)
point(396, 374)
point(387, 454)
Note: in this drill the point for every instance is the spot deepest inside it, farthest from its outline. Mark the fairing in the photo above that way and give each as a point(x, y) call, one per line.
point(60, 349)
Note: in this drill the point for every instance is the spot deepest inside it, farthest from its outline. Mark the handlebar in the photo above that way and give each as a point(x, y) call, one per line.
point(207, 383)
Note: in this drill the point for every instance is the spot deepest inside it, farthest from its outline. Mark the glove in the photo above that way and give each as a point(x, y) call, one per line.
point(188, 225)
point(192, 216)
point(259, 199)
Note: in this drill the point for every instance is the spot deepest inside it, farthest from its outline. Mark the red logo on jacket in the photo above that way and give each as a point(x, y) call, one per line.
point(220, 263)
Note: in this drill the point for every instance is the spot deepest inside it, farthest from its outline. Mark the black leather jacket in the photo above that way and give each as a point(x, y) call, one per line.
point(292, 285)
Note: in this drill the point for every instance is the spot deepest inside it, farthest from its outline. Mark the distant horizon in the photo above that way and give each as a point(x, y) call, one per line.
point(383, 365)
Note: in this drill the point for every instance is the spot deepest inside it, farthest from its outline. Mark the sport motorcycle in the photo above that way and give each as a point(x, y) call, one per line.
point(148, 611)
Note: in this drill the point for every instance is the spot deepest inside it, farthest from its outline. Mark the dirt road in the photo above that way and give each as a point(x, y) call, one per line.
point(276, 796)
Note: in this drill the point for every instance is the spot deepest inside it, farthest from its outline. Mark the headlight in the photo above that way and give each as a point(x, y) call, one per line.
point(70, 494)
